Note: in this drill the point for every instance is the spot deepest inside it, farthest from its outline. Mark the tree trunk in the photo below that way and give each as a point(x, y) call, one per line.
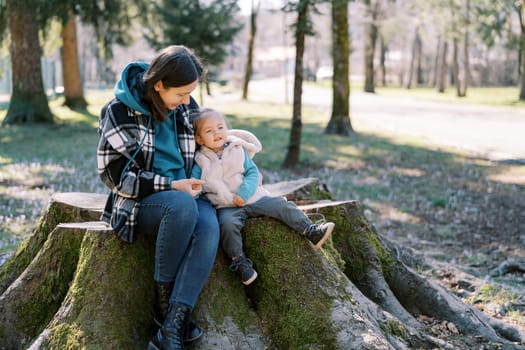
point(414, 59)
point(370, 44)
point(251, 41)
point(294, 146)
point(435, 69)
point(340, 123)
point(382, 59)
point(522, 54)
point(419, 64)
point(73, 90)
point(85, 288)
point(466, 59)
point(455, 65)
point(442, 70)
point(28, 101)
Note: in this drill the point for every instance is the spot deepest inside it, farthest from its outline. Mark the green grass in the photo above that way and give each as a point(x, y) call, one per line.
point(38, 160)
point(389, 173)
point(491, 96)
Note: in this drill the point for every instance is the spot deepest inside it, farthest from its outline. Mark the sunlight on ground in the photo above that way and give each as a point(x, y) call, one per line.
point(345, 163)
point(409, 172)
point(389, 212)
point(368, 180)
point(510, 175)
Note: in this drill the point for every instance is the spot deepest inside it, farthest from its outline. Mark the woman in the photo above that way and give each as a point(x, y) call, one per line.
point(145, 155)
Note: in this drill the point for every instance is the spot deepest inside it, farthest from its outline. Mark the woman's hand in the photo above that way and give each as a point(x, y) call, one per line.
point(191, 186)
point(238, 201)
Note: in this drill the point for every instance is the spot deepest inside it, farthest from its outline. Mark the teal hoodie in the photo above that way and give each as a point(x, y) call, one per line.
point(168, 161)
point(127, 89)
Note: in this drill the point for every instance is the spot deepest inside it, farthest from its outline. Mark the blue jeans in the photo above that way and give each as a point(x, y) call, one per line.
point(187, 239)
point(232, 220)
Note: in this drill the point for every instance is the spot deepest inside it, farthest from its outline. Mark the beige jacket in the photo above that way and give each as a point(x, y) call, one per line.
point(225, 175)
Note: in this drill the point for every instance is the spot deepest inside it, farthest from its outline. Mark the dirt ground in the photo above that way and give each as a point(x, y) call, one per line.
point(473, 234)
point(476, 247)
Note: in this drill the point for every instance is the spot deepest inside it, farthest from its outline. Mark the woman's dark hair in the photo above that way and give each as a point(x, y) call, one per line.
point(175, 66)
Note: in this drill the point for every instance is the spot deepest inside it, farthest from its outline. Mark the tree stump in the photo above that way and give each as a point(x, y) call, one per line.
point(74, 284)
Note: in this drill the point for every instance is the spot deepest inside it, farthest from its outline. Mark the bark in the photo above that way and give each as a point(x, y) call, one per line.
point(455, 66)
point(28, 101)
point(415, 60)
point(85, 288)
point(340, 123)
point(73, 90)
point(466, 59)
point(442, 70)
point(294, 146)
point(435, 68)
point(370, 44)
point(522, 53)
point(419, 64)
point(382, 60)
point(251, 42)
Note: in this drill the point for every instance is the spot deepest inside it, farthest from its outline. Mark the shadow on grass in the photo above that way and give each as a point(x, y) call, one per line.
point(434, 195)
point(408, 190)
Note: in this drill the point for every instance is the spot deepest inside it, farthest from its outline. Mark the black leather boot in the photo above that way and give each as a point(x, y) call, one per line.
point(163, 290)
point(171, 335)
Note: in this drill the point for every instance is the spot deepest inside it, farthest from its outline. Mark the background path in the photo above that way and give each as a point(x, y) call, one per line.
point(494, 132)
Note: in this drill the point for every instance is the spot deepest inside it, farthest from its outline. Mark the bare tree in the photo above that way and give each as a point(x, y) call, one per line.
point(382, 59)
point(442, 68)
point(73, 87)
point(302, 28)
point(340, 123)
point(522, 51)
point(466, 44)
point(28, 100)
point(256, 5)
point(461, 72)
point(435, 67)
point(415, 60)
point(372, 8)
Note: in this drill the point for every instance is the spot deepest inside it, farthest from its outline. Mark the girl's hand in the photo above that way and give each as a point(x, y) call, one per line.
point(191, 186)
point(238, 201)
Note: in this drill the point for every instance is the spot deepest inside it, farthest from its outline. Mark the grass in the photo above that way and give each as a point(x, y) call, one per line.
point(492, 96)
point(489, 96)
point(38, 160)
point(394, 175)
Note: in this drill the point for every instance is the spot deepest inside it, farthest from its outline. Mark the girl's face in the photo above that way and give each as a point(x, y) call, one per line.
point(175, 96)
point(212, 132)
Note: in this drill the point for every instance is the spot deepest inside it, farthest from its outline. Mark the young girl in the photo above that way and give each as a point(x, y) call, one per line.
point(232, 184)
point(145, 155)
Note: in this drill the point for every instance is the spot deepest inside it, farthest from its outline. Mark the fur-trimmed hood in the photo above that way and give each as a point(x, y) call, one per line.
point(246, 139)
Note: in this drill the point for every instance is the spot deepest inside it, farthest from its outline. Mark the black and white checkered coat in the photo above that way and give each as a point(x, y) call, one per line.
point(125, 160)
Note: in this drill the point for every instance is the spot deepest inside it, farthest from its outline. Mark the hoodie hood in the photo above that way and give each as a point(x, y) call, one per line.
point(246, 139)
point(130, 88)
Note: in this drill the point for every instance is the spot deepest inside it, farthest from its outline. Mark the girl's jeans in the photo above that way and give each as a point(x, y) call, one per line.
point(187, 239)
point(233, 219)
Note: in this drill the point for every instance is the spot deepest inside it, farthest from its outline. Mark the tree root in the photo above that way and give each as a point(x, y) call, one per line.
point(374, 267)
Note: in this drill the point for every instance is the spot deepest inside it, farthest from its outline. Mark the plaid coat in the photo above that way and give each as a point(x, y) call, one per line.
point(125, 154)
